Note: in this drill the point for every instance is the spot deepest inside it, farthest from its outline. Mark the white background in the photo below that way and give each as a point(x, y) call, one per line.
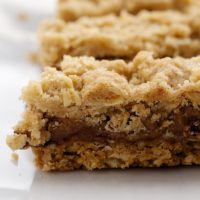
point(23, 181)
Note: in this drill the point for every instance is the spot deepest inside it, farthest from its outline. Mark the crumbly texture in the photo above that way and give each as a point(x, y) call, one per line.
point(74, 9)
point(90, 156)
point(112, 103)
point(166, 33)
point(16, 141)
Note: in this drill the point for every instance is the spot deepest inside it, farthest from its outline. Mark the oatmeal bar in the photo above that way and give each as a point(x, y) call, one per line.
point(166, 33)
point(74, 9)
point(112, 114)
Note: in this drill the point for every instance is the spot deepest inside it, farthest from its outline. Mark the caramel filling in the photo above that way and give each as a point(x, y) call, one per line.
point(185, 124)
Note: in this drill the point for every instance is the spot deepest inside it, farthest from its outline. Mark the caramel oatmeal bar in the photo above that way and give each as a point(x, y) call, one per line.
point(166, 33)
point(109, 114)
point(73, 9)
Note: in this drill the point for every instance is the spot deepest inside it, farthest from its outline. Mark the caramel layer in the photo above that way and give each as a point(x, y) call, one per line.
point(183, 126)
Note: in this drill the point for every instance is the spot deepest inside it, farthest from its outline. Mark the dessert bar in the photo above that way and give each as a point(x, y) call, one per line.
point(74, 9)
point(166, 33)
point(111, 114)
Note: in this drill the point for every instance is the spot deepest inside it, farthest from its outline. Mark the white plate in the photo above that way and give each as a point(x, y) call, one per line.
point(23, 181)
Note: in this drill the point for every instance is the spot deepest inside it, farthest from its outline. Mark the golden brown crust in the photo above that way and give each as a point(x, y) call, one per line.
point(166, 33)
point(74, 9)
point(89, 155)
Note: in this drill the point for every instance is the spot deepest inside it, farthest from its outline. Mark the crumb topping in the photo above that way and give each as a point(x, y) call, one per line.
point(166, 33)
point(85, 82)
point(73, 9)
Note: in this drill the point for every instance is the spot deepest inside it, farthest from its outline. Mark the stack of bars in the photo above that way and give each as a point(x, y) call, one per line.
point(121, 87)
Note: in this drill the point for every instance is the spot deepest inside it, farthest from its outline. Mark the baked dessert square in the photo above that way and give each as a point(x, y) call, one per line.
point(95, 114)
point(74, 9)
point(166, 33)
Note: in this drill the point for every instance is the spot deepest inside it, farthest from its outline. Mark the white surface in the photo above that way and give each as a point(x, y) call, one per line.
point(24, 182)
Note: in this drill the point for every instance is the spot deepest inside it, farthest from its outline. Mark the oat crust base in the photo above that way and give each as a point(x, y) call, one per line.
point(92, 156)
